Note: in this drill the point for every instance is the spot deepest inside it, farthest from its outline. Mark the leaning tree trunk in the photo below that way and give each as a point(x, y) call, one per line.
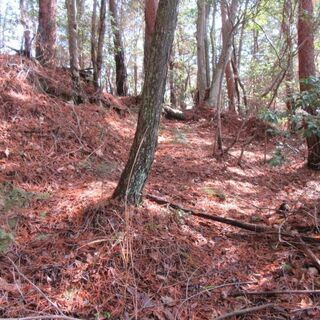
point(142, 152)
point(121, 70)
point(150, 12)
point(47, 32)
point(73, 50)
point(306, 69)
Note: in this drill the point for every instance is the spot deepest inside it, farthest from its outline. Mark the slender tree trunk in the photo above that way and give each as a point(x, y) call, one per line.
point(142, 152)
point(231, 90)
point(73, 50)
point(80, 13)
point(289, 77)
point(24, 18)
point(173, 98)
point(47, 32)
point(306, 69)
point(101, 33)
point(201, 49)
point(150, 12)
point(213, 40)
point(255, 47)
point(121, 70)
point(94, 44)
point(228, 30)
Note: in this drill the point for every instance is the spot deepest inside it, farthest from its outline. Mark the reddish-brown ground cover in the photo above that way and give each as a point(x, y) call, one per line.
point(93, 259)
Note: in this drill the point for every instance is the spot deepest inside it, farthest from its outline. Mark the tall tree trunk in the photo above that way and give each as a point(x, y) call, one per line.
point(213, 40)
point(101, 33)
point(150, 12)
point(25, 21)
point(121, 70)
point(306, 69)
point(287, 21)
point(80, 13)
point(228, 30)
point(173, 98)
point(47, 32)
point(73, 50)
point(231, 90)
point(142, 152)
point(94, 43)
point(201, 49)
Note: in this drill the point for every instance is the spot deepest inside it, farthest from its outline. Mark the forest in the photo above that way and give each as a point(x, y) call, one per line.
point(159, 159)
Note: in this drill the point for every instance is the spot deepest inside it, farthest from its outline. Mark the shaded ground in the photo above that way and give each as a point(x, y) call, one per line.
point(64, 249)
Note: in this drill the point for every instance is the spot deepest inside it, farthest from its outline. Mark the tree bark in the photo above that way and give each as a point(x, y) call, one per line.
point(47, 32)
point(201, 49)
point(121, 70)
point(228, 30)
point(73, 50)
point(81, 26)
point(231, 90)
point(101, 33)
point(25, 21)
point(150, 12)
point(94, 43)
point(142, 152)
point(307, 68)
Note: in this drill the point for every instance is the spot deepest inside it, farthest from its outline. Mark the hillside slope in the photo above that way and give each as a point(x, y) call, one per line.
point(66, 249)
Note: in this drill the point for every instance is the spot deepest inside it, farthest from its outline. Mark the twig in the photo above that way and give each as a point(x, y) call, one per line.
point(37, 288)
point(42, 318)
point(273, 293)
point(210, 289)
point(245, 311)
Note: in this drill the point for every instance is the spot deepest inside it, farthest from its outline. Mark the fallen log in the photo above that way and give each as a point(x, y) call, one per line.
point(236, 223)
point(171, 113)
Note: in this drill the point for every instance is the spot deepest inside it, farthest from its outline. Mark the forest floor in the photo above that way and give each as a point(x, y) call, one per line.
point(67, 250)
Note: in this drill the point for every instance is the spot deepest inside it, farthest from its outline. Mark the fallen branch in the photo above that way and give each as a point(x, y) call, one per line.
point(245, 311)
point(49, 317)
point(274, 293)
point(236, 223)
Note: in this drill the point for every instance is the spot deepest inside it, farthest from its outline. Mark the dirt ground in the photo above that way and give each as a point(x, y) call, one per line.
point(67, 250)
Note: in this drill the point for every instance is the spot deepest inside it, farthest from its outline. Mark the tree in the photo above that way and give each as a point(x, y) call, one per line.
point(97, 46)
point(202, 80)
point(47, 32)
point(307, 69)
point(121, 70)
point(231, 89)
point(136, 172)
point(25, 21)
point(150, 12)
point(73, 50)
point(228, 30)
